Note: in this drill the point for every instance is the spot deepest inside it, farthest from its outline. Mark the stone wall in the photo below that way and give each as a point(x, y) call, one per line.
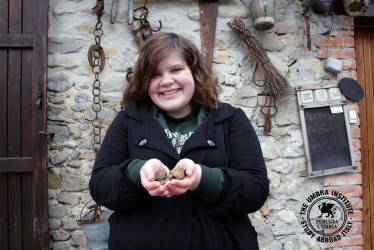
point(70, 99)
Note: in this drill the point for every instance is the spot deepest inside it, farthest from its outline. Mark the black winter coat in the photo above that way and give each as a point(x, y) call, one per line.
point(225, 140)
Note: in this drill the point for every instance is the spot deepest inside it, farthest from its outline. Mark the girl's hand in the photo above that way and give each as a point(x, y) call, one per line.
point(190, 182)
point(148, 178)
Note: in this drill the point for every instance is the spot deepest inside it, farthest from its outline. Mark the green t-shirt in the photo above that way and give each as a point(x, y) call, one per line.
point(178, 130)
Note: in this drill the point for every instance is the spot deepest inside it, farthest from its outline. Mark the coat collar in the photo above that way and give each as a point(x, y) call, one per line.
point(149, 130)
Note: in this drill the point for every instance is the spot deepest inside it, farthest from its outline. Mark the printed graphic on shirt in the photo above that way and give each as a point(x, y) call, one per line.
point(177, 139)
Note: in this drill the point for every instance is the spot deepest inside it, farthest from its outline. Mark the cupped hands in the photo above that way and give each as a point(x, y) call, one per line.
point(172, 183)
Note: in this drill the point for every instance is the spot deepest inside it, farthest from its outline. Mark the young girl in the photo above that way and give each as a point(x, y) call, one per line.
point(173, 119)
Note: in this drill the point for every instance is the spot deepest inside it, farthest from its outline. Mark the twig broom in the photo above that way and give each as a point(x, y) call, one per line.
point(277, 84)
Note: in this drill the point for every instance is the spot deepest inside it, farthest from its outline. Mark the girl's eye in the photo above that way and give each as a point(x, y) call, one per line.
point(155, 74)
point(176, 69)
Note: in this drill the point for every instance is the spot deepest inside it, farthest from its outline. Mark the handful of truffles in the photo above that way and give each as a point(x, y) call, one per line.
point(176, 173)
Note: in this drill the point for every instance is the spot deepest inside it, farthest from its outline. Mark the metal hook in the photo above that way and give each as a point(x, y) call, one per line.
point(143, 15)
point(144, 23)
point(254, 77)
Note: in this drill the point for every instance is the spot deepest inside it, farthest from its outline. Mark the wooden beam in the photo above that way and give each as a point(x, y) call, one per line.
point(16, 40)
point(15, 165)
point(365, 75)
point(40, 55)
point(364, 22)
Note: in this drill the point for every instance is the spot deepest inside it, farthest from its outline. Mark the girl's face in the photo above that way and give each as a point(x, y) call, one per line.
point(172, 86)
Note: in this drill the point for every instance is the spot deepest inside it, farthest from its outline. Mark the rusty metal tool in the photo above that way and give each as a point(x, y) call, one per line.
point(114, 11)
point(269, 110)
point(208, 23)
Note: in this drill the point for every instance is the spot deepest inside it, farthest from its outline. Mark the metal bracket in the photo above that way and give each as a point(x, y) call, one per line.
point(39, 99)
point(49, 135)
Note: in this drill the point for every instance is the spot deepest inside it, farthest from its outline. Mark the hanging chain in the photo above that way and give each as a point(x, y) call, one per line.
point(96, 58)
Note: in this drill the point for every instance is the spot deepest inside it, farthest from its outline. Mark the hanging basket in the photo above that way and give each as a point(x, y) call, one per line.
point(355, 7)
point(95, 226)
point(262, 12)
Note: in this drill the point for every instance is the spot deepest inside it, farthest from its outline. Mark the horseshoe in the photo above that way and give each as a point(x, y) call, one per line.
point(92, 56)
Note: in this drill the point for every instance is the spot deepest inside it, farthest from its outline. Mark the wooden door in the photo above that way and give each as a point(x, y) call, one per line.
point(364, 39)
point(23, 175)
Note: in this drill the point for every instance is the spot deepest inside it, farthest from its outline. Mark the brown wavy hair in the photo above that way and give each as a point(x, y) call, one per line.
point(157, 48)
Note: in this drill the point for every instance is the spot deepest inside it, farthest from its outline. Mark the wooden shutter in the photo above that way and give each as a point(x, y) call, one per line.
point(23, 175)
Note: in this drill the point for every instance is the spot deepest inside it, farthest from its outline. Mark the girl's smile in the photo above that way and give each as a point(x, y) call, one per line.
point(170, 92)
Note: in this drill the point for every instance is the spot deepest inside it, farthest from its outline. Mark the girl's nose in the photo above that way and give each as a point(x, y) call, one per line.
point(166, 80)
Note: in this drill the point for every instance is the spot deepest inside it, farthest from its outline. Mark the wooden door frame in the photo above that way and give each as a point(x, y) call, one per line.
point(40, 54)
point(365, 76)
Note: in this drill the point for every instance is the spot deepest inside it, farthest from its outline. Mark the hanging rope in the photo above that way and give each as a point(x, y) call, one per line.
point(96, 59)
